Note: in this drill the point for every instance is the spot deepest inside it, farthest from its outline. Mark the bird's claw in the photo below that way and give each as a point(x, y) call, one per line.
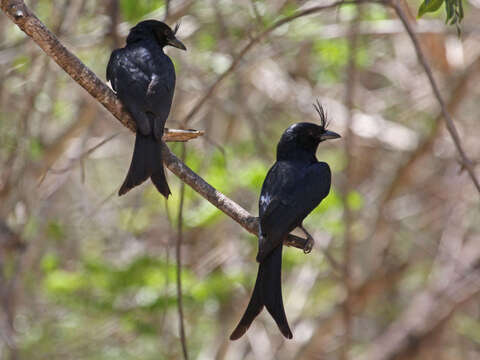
point(308, 246)
point(310, 242)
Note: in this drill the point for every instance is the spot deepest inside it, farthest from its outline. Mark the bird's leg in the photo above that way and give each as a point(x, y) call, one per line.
point(310, 241)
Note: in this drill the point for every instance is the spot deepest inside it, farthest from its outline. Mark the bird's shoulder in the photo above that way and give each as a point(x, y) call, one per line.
point(143, 67)
point(142, 56)
point(127, 65)
point(113, 64)
point(289, 184)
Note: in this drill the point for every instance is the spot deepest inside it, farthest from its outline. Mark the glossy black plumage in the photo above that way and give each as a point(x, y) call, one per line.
point(293, 187)
point(143, 77)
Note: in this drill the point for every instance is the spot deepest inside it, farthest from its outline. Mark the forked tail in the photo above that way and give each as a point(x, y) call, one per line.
point(146, 162)
point(268, 293)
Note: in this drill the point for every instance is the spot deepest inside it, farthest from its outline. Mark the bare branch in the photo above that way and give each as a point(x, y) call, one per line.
point(178, 253)
point(26, 20)
point(350, 87)
point(19, 13)
point(404, 173)
point(256, 40)
point(457, 96)
point(219, 200)
point(466, 162)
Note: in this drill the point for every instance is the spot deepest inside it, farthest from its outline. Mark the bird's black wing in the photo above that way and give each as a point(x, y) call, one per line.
point(113, 64)
point(144, 82)
point(289, 193)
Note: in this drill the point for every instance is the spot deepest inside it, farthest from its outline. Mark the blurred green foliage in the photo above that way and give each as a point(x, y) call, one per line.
point(133, 11)
point(102, 281)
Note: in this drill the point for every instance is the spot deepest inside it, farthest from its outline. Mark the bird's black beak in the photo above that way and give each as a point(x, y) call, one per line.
point(176, 43)
point(328, 135)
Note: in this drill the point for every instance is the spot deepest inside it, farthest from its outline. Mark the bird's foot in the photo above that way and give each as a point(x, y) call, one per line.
point(310, 241)
point(308, 245)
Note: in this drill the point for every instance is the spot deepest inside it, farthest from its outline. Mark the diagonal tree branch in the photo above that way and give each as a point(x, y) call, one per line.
point(219, 200)
point(236, 61)
point(403, 174)
point(466, 162)
point(26, 20)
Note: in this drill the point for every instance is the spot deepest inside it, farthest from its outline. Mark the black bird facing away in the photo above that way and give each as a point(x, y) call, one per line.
point(143, 77)
point(294, 186)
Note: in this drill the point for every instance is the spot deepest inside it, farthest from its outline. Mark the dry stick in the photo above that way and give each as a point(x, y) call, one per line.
point(167, 9)
point(18, 12)
point(82, 156)
point(458, 94)
point(404, 173)
point(178, 252)
point(466, 162)
point(256, 40)
point(219, 200)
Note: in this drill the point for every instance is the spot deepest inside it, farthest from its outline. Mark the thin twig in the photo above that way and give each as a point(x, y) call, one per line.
point(18, 12)
point(178, 252)
point(466, 162)
point(404, 173)
point(219, 200)
point(256, 40)
point(167, 9)
point(78, 159)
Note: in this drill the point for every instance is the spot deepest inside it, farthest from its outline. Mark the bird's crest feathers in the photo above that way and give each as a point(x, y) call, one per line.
point(175, 29)
point(321, 113)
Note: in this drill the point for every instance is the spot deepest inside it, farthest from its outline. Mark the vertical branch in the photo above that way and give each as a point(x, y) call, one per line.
point(167, 9)
point(114, 14)
point(347, 186)
point(179, 262)
point(253, 42)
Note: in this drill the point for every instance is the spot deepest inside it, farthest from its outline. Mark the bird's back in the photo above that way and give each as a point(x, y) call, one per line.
point(143, 76)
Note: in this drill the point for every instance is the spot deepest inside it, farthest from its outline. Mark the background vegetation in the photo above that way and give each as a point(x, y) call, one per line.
point(88, 275)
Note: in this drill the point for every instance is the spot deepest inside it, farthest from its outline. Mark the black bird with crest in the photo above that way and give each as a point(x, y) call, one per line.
point(293, 187)
point(143, 77)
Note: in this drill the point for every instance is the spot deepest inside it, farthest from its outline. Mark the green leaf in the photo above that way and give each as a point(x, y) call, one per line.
point(429, 6)
point(449, 10)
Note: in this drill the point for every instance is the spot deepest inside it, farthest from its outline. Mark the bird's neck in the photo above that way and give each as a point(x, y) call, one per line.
point(141, 36)
point(296, 154)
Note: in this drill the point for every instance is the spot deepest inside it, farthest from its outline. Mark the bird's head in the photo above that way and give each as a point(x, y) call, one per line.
point(304, 137)
point(159, 30)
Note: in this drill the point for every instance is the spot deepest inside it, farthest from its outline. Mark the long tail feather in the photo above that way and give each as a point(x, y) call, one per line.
point(146, 162)
point(268, 293)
